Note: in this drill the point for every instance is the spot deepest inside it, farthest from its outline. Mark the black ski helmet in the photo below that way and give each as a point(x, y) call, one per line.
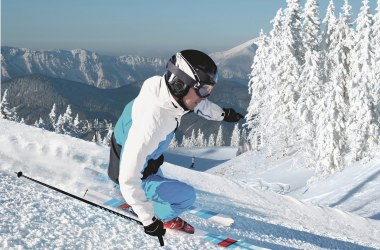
point(190, 69)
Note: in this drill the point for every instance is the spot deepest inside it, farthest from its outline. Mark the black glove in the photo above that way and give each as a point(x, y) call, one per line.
point(230, 115)
point(152, 167)
point(156, 228)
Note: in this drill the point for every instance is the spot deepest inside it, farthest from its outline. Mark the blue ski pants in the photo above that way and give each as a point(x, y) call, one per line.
point(170, 197)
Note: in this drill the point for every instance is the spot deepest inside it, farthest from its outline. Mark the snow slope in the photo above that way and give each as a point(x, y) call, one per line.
point(34, 217)
point(356, 189)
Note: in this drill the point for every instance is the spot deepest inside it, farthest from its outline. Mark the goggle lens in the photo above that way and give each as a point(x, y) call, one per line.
point(204, 90)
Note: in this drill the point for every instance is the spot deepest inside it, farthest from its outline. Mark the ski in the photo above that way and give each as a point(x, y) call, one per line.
point(218, 218)
point(121, 206)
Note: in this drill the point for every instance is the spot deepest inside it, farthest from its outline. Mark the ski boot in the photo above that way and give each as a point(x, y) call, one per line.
point(179, 224)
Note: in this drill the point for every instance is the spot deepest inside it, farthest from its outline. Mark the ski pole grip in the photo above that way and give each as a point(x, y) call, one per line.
point(161, 240)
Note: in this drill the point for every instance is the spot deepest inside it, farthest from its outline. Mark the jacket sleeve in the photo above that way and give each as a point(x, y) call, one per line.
point(209, 110)
point(143, 139)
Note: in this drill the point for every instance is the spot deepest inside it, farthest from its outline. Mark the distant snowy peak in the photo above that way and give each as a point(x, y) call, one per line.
point(79, 65)
point(236, 62)
point(247, 48)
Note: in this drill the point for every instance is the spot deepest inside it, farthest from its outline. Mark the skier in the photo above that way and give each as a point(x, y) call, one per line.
point(144, 131)
point(192, 162)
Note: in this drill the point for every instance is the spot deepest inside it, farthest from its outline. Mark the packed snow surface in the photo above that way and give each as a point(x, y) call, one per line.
point(269, 200)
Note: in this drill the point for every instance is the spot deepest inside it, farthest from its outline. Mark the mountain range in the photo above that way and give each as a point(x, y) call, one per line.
point(104, 71)
point(79, 65)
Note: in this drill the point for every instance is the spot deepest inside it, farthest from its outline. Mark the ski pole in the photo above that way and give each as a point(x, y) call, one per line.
point(20, 174)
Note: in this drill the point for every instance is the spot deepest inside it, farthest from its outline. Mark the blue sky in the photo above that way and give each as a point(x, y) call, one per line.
point(149, 28)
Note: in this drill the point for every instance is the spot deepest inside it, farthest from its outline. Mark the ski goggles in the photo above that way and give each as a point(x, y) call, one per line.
point(203, 90)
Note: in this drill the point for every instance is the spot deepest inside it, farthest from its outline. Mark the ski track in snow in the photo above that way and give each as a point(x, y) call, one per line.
point(34, 217)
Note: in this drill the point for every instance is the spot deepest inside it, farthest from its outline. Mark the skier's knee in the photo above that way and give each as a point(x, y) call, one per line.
point(189, 196)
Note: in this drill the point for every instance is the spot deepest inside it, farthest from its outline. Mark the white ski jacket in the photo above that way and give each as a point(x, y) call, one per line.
point(144, 131)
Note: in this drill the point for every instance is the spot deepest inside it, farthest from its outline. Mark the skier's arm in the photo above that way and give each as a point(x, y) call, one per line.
point(211, 111)
point(142, 141)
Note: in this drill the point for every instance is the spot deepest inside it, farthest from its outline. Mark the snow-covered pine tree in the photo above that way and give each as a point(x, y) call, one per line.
point(328, 40)
point(329, 139)
point(287, 52)
point(183, 142)
point(97, 138)
point(5, 111)
point(260, 120)
point(51, 124)
point(40, 123)
point(311, 35)
point(219, 138)
point(173, 143)
point(78, 126)
point(65, 123)
point(331, 128)
point(211, 141)
point(307, 108)
point(376, 40)
point(244, 136)
point(186, 142)
point(235, 137)
point(258, 88)
point(107, 139)
point(310, 82)
point(192, 140)
point(293, 30)
point(200, 139)
point(363, 128)
point(58, 125)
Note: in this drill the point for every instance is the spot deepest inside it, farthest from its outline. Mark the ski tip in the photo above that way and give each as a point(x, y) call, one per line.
point(19, 174)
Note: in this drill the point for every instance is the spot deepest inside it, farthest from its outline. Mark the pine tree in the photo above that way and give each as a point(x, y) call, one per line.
point(107, 139)
point(186, 142)
point(5, 111)
point(183, 142)
point(293, 30)
point(376, 40)
point(363, 129)
point(200, 139)
point(193, 141)
point(65, 123)
point(328, 154)
point(235, 138)
point(258, 87)
point(328, 40)
point(285, 80)
point(52, 119)
point(331, 128)
point(311, 35)
point(219, 138)
point(40, 123)
point(211, 141)
point(97, 138)
point(307, 107)
point(260, 119)
point(173, 143)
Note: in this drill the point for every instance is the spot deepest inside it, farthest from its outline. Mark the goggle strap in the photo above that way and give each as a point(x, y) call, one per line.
point(181, 75)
